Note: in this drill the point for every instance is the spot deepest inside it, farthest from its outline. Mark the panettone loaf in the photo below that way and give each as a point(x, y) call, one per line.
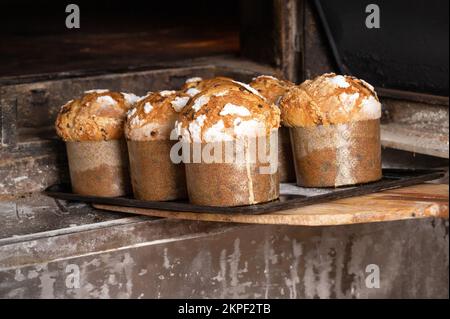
point(226, 111)
point(223, 114)
point(329, 99)
point(334, 125)
point(271, 87)
point(98, 115)
point(154, 115)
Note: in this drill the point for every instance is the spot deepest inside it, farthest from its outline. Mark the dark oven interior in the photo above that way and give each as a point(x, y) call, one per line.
point(112, 36)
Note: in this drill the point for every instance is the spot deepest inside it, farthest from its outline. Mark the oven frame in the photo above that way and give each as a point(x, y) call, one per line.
point(216, 256)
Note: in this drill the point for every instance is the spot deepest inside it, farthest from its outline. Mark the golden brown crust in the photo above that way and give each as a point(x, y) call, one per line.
point(225, 111)
point(271, 88)
point(99, 115)
point(329, 99)
point(154, 115)
point(194, 85)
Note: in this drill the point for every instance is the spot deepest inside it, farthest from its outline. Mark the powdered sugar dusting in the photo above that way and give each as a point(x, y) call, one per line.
point(135, 121)
point(248, 128)
point(131, 112)
point(166, 93)
point(216, 133)
point(192, 91)
point(145, 96)
point(98, 91)
point(194, 79)
point(182, 132)
point(232, 109)
point(148, 107)
point(371, 108)
point(130, 98)
point(369, 86)
point(265, 76)
point(222, 93)
point(67, 103)
point(348, 101)
point(195, 128)
point(106, 100)
point(179, 103)
point(202, 100)
point(339, 81)
point(249, 88)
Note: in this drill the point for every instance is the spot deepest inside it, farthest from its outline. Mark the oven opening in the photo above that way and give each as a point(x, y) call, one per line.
point(113, 35)
point(224, 149)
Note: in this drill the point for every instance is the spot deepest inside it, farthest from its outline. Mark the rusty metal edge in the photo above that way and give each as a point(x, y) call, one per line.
point(413, 96)
point(396, 180)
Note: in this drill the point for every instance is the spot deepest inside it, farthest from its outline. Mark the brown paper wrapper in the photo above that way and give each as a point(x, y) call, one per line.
point(99, 168)
point(232, 184)
point(154, 176)
point(285, 158)
point(337, 155)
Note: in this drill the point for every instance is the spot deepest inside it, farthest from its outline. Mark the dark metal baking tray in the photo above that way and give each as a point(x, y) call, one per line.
point(291, 196)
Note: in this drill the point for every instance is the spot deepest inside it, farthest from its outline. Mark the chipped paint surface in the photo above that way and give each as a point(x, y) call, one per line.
point(242, 262)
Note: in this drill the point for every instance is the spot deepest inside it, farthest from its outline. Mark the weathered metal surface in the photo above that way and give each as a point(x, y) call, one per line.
point(417, 127)
point(32, 214)
point(417, 97)
point(168, 258)
point(317, 58)
point(288, 26)
point(41, 112)
point(8, 122)
point(393, 158)
point(404, 137)
point(31, 173)
point(417, 115)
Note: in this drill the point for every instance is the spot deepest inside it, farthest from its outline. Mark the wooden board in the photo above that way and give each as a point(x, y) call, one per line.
point(424, 200)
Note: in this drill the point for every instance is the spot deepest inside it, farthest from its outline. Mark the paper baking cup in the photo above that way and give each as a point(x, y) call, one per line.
point(285, 158)
point(232, 184)
point(99, 168)
point(154, 176)
point(337, 155)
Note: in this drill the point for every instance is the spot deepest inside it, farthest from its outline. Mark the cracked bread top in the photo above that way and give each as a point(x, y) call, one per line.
point(154, 115)
point(98, 115)
point(329, 99)
point(227, 111)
